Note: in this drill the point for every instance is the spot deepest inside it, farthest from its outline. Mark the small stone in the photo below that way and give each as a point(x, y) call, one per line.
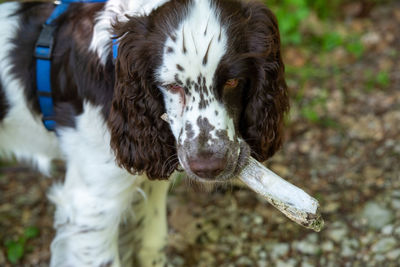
point(327, 246)
point(207, 258)
point(371, 38)
point(244, 235)
point(178, 261)
point(213, 234)
point(397, 231)
point(306, 264)
point(377, 216)
point(331, 207)
point(258, 220)
point(262, 263)
point(288, 263)
point(396, 194)
point(244, 261)
point(254, 251)
point(367, 239)
point(237, 251)
point(366, 257)
point(379, 257)
point(396, 204)
point(366, 127)
point(347, 252)
point(262, 254)
point(371, 172)
point(384, 245)
point(279, 250)
point(354, 243)
point(394, 254)
point(388, 229)
point(307, 248)
point(313, 238)
point(348, 247)
point(337, 235)
point(245, 220)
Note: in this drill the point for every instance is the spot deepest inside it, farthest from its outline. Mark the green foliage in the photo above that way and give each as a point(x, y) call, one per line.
point(331, 40)
point(323, 8)
point(376, 80)
point(17, 248)
point(355, 48)
point(31, 232)
point(383, 79)
point(310, 114)
point(290, 13)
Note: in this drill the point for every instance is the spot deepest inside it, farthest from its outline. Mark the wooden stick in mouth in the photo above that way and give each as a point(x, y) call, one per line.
point(292, 201)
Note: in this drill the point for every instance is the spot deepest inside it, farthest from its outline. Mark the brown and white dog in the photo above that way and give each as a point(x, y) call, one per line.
point(213, 66)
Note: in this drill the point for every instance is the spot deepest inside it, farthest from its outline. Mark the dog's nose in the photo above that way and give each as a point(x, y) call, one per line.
point(207, 165)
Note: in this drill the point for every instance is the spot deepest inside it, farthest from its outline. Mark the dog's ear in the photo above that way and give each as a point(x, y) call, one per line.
point(141, 140)
point(267, 98)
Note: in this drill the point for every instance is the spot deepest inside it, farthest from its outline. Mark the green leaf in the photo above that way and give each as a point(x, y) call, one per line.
point(310, 114)
point(331, 40)
point(31, 232)
point(15, 251)
point(356, 48)
point(382, 78)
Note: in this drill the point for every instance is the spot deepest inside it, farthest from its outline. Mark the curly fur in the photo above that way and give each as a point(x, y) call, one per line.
point(262, 125)
point(143, 142)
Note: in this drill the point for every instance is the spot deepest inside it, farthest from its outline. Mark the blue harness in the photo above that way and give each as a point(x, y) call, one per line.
point(43, 53)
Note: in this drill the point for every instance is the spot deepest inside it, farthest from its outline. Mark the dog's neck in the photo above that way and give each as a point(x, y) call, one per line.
point(117, 10)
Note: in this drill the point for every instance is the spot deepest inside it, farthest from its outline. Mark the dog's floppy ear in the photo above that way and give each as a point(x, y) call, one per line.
point(141, 140)
point(267, 99)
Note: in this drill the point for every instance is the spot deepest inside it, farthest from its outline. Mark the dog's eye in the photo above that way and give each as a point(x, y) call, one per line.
point(174, 88)
point(231, 83)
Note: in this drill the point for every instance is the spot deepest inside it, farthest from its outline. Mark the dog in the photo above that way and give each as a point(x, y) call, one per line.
point(197, 85)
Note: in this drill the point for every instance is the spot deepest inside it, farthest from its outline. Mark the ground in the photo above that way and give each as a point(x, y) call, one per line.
point(342, 147)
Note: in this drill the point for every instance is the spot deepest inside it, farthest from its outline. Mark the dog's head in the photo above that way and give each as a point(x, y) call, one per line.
point(215, 68)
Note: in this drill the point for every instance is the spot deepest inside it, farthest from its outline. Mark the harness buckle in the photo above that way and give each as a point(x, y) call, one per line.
point(44, 45)
point(49, 122)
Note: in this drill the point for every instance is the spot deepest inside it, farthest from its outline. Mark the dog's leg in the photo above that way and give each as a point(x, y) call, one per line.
point(94, 198)
point(149, 225)
point(87, 219)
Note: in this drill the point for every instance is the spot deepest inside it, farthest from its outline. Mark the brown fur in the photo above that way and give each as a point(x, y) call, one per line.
point(142, 141)
point(262, 125)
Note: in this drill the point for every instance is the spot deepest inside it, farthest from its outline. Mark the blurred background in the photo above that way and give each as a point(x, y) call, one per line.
point(342, 147)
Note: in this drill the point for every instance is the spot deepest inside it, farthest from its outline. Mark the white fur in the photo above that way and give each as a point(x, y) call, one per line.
point(153, 227)
point(201, 16)
point(96, 197)
point(21, 133)
point(116, 10)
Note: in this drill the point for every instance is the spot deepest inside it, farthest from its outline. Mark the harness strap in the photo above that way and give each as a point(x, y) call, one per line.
point(43, 54)
point(115, 49)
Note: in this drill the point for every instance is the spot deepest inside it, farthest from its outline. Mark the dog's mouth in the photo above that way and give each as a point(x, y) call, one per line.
point(236, 160)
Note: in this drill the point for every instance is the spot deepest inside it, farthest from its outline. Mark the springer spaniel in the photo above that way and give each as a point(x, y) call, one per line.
point(213, 66)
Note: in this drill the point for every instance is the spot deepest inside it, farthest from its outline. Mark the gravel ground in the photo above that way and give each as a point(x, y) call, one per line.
point(348, 159)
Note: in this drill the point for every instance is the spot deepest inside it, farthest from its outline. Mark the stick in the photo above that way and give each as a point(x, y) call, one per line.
point(296, 204)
